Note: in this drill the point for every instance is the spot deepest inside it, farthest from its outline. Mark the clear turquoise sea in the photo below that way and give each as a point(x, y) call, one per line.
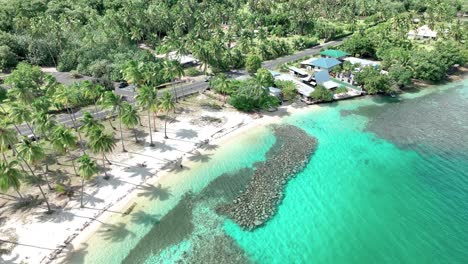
point(388, 183)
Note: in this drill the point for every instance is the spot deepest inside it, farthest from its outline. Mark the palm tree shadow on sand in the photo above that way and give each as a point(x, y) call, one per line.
point(115, 232)
point(144, 218)
point(186, 133)
point(199, 157)
point(154, 192)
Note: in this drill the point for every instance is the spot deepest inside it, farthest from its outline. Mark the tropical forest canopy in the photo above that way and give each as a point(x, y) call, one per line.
point(97, 37)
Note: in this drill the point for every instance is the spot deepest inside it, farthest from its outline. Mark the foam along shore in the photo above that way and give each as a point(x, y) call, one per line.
point(41, 238)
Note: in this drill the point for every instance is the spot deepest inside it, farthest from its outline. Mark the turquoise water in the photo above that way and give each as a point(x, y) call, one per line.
point(388, 183)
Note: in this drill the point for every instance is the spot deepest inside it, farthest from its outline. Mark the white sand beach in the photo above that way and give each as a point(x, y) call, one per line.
point(42, 238)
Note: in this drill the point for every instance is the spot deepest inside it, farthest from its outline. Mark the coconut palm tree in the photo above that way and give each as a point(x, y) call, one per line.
point(92, 92)
point(147, 99)
point(65, 97)
point(31, 153)
point(173, 69)
point(43, 124)
point(10, 176)
point(41, 104)
point(130, 118)
point(88, 168)
point(19, 114)
point(64, 140)
point(102, 143)
point(8, 138)
point(222, 85)
point(167, 105)
point(89, 124)
point(114, 101)
point(133, 72)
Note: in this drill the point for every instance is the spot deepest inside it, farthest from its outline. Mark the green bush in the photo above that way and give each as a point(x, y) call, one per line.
point(265, 78)
point(341, 89)
point(3, 94)
point(253, 62)
point(7, 58)
point(288, 88)
point(322, 94)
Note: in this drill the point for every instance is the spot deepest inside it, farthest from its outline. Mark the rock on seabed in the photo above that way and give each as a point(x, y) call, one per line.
point(259, 201)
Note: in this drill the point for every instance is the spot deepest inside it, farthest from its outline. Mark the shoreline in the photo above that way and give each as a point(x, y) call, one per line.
point(127, 201)
point(84, 231)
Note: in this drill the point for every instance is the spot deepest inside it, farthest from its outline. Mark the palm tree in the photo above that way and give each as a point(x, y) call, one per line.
point(65, 98)
point(41, 104)
point(87, 169)
point(173, 69)
point(20, 114)
point(7, 139)
point(222, 85)
point(10, 177)
point(64, 140)
point(102, 143)
point(92, 92)
point(89, 124)
point(32, 152)
point(147, 99)
point(44, 124)
point(167, 105)
point(114, 101)
point(130, 118)
point(133, 72)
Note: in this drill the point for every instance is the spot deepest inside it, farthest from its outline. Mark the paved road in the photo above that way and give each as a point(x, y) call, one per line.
point(273, 64)
point(192, 88)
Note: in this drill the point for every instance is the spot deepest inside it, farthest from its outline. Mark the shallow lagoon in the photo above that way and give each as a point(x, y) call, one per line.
point(388, 183)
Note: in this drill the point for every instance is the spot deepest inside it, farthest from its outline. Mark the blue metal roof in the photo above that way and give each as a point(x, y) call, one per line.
point(274, 73)
point(325, 63)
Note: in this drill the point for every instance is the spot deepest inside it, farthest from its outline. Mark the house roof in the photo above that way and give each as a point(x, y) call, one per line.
point(334, 53)
point(362, 62)
point(297, 70)
point(308, 61)
point(423, 31)
point(322, 76)
point(274, 73)
point(325, 63)
point(330, 84)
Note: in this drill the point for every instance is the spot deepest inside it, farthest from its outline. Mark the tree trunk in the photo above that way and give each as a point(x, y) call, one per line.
point(121, 135)
point(110, 123)
point(74, 167)
point(32, 130)
point(174, 90)
point(82, 191)
point(165, 126)
point(135, 135)
point(150, 132)
point(108, 161)
point(106, 177)
point(49, 210)
point(46, 171)
point(71, 117)
point(19, 194)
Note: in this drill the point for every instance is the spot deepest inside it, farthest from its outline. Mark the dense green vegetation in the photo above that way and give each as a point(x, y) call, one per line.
point(405, 59)
point(322, 94)
point(98, 37)
point(32, 99)
point(116, 39)
point(288, 88)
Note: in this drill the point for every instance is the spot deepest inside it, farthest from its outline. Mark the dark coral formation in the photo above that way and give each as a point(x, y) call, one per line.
point(258, 203)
